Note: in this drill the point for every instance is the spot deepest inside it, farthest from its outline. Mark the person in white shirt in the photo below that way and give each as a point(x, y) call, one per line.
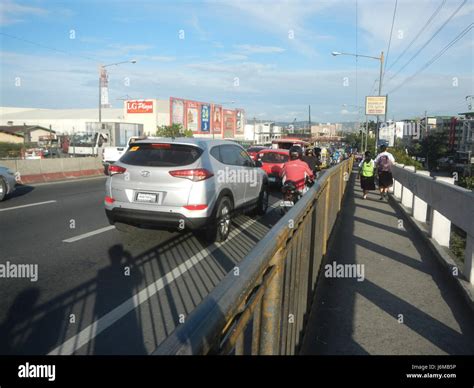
point(384, 162)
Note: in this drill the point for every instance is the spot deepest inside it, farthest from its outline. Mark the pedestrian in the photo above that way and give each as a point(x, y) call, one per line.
point(384, 162)
point(367, 174)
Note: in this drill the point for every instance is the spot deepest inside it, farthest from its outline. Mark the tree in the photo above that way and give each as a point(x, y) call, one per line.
point(173, 130)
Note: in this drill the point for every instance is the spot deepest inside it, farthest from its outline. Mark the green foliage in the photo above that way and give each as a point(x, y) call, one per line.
point(432, 147)
point(354, 139)
point(10, 150)
point(457, 243)
point(173, 130)
point(467, 182)
point(401, 157)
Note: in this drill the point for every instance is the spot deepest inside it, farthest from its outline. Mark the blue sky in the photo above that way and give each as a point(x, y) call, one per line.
point(271, 57)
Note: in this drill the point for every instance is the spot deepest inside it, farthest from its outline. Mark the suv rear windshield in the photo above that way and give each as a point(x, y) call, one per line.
point(274, 157)
point(161, 155)
point(255, 149)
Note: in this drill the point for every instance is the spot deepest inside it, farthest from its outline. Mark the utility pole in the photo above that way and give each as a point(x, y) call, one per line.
point(377, 129)
point(254, 128)
point(309, 118)
point(366, 132)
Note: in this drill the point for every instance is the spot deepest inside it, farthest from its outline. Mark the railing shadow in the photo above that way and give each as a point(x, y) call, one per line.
point(112, 313)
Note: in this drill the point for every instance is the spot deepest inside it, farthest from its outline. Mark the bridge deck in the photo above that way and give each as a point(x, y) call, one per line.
point(402, 281)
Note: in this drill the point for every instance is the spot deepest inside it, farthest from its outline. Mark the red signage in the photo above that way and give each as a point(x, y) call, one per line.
point(139, 106)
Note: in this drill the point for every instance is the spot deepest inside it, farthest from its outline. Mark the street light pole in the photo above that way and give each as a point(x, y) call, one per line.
point(381, 59)
point(377, 128)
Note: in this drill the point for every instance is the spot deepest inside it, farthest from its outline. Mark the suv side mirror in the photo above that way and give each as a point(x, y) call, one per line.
point(258, 163)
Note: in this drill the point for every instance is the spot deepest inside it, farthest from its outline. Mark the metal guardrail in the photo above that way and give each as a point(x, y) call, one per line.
point(262, 308)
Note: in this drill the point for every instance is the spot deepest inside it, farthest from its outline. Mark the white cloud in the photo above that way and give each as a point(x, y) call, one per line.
point(258, 49)
point(12, 12)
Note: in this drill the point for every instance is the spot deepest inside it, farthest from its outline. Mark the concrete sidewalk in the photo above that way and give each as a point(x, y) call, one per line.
point(406, 305)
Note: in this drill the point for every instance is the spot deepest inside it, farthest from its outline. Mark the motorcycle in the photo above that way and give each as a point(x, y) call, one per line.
point(291, 195)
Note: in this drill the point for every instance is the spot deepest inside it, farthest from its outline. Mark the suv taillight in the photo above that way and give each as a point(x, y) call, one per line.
point(196, 175)
point(113, 169)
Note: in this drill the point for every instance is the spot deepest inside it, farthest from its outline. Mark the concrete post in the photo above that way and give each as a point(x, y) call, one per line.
point(469, 259)
point(440, 226)
point(397, 186)
point(420, 207)
point(407, 195)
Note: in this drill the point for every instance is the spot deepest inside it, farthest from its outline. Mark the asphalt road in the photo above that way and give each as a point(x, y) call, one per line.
point(100, 291)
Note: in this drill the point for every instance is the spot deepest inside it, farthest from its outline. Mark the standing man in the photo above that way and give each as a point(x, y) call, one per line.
point(384, 162)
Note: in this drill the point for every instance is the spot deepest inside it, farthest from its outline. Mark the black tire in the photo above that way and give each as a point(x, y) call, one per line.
point(262, 203)
point(219, 230)
point(3, 190)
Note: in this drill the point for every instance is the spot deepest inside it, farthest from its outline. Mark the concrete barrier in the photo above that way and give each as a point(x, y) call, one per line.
point(50, 170)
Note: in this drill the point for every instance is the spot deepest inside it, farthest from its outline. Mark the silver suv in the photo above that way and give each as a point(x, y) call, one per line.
point(7, 182)
point(184, 183)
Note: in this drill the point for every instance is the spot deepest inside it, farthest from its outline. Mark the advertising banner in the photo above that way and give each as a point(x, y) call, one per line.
point(216, 122)
point(177, 111)
point(375, 105)
point(140, 106)
point(205, 118)
point(239, 123)
point(192, 116)
point(229, 123)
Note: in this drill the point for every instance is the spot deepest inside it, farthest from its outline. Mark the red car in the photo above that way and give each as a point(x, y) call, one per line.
point(253, 151)
point(272, 163)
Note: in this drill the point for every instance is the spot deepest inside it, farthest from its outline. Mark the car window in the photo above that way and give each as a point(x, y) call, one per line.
point(216, 154)
point(233, 155)
point(161, 155)
point(274, 157)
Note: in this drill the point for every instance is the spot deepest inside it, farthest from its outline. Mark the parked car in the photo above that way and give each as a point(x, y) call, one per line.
point(184, 183)
point(254, 150)
point(7, 182)
point(272, 162)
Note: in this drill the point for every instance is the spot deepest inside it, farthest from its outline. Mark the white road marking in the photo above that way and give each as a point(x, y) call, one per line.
point(29, 205)
point(89, 234)
point(94, 329)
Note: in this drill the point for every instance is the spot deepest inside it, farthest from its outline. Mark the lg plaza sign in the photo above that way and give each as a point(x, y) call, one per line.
point(375, 105)
point(139, 106)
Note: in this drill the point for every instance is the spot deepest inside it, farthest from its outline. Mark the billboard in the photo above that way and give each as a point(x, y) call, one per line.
point(229, 119)
point(192, 116)
point(205, 118)
point(177, 111)
point(375, 105)
point(143, 106)
point(239, 121)
point(216, 120)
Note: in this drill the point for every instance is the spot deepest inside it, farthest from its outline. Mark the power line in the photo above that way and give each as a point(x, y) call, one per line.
point(436, 57)
point(48, 47)
point(429, 40)
point(428, 22)
point(390, 39)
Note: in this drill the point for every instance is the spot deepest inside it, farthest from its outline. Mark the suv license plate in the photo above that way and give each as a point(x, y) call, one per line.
point(147, 197)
